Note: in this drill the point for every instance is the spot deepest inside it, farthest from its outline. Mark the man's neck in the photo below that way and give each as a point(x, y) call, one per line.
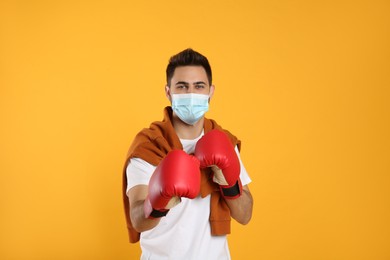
point(185, 131)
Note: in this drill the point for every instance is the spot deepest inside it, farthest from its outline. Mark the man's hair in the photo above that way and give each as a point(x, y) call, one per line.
point(188, 57)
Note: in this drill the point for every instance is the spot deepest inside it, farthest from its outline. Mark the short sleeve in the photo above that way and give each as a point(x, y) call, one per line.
point(138, 172)
point(244, 176)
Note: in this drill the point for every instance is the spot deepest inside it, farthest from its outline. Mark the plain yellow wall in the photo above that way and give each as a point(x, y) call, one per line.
point(304, 84)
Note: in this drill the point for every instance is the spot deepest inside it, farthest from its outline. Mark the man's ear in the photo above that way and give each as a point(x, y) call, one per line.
point(212, 88)
point(168, 93)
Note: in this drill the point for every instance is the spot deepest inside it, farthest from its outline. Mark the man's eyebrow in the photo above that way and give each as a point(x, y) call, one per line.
point(186, 83)
point(199, 82)
point(181, 83)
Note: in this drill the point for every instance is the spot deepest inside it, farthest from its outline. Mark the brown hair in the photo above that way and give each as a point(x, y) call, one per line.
point(188, 57)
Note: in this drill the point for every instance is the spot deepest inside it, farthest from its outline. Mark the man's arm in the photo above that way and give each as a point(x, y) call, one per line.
point(241, 207)
point(137, 196)
point(176, 176)
point(215, 150)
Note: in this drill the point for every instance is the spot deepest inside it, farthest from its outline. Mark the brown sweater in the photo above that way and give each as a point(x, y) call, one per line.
point(152, 145)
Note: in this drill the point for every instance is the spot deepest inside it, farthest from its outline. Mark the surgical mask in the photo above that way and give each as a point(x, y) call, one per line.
point(190, 107)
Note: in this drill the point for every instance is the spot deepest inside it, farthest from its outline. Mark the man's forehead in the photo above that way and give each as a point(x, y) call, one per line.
point(190, 70)
point(190, 74)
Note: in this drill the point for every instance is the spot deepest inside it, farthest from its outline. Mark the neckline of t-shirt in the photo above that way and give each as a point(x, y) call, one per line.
point(192, 140)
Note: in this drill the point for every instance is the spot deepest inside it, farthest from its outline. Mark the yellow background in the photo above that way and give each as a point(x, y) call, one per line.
point(304, 84)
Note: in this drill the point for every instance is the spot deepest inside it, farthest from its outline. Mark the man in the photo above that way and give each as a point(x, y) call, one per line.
point(183, 177)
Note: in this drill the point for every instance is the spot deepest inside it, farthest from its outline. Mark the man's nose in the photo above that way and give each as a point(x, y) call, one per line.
point(190, 89)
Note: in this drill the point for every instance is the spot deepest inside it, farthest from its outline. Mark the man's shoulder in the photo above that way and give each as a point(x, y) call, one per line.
point(158, 128)
point(211, 124)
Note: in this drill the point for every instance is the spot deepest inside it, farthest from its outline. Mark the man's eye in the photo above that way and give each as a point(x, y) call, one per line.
point(181, 86)
point(199, 86)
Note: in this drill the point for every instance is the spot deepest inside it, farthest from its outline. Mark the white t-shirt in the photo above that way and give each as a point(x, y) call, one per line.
point(184, 233)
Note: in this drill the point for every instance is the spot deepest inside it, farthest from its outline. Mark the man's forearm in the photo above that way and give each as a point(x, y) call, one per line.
point(138, 220)
point(241, 208)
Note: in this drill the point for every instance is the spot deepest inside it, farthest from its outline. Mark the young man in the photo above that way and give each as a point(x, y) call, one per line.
point(183, 177)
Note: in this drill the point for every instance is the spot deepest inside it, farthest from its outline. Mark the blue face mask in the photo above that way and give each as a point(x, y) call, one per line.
point(190, 107)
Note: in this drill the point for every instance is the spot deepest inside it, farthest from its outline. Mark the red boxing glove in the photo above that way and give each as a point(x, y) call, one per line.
point(215, 150)
point(176, 176)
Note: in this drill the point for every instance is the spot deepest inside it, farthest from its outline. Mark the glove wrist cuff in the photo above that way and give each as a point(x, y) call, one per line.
point(158, 214)
point(232, 192)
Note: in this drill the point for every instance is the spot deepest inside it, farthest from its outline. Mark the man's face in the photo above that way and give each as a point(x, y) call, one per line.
point(189, 79)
